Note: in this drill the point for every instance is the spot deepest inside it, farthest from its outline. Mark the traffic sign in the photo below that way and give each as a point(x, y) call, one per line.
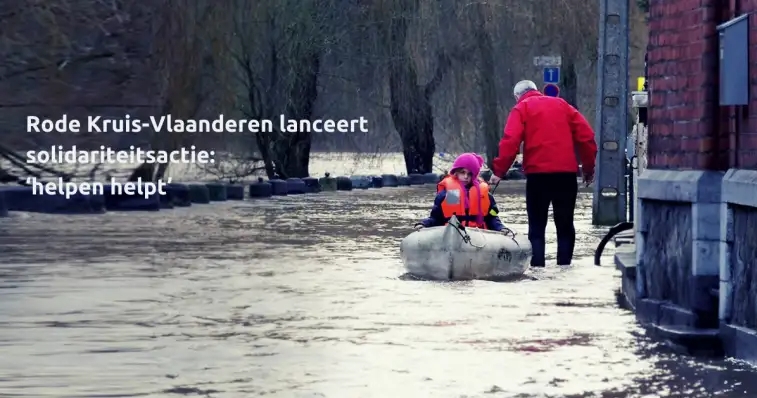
point(552, 74)
point(551, 90)
point(548, 60)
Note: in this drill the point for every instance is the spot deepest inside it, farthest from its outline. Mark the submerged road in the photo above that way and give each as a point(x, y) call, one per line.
point(300, 297)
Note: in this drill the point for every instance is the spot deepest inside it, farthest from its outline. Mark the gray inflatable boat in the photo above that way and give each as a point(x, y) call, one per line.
point(454, 252)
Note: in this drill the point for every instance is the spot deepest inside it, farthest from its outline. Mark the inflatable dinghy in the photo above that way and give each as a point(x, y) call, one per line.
point(454, 252)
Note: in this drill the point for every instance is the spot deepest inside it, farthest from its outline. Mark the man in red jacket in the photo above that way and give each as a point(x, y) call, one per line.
point(551, 130)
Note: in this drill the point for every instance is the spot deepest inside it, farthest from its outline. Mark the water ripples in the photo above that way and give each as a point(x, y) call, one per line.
point(300, 297)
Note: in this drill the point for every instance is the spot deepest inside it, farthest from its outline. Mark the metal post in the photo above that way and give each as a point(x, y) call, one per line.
point(631, 197)
point(610, 202)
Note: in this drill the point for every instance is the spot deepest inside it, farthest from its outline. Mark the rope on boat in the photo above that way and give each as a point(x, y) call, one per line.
point(507, 231)
point(466, 237)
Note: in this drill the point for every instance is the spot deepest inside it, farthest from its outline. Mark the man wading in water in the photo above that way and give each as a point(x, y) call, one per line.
point(550, 130)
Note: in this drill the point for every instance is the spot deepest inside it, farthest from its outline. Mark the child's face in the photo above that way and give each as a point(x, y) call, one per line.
point(464, 175)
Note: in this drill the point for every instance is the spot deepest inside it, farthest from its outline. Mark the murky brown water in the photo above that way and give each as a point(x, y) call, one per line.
point(300, 297)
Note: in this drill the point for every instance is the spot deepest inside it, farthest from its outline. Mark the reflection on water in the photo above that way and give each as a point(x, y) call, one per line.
point(300, 297)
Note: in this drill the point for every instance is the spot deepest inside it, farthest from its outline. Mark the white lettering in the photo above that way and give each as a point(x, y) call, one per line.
point(93, 124)
point(157, 127)
point(63, 125)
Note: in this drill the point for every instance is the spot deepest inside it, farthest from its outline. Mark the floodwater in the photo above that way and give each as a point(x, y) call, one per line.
point(300, 297)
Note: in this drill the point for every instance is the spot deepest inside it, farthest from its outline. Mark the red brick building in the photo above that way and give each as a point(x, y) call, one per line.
point(696, 228)
point(690, 129)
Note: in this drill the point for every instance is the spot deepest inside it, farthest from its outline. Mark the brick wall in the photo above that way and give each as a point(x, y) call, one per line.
point(688, 130)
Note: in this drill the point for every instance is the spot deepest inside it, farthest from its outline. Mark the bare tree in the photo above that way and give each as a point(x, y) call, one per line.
point(67, 57)
point(189, 41)
point(438, 72)
point(278, 49)
point(234, 168)
point(410, 100)
point(481, 18)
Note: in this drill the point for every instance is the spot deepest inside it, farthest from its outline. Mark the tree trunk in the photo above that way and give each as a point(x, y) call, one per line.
point(291, 154)
point(410, 103)
point(569, 83)
point(417, 136)
point(487, 87)
point(285, 154)
point(145, 171)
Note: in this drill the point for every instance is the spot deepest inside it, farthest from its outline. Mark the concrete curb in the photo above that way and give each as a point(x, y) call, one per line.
point(21, 199)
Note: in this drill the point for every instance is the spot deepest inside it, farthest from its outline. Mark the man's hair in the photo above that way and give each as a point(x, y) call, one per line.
point(523, 87)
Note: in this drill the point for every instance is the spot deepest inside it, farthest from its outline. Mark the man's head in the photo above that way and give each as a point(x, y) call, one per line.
point(523, 87)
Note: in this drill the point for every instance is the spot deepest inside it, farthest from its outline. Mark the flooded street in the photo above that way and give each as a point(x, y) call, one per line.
point(300, 297)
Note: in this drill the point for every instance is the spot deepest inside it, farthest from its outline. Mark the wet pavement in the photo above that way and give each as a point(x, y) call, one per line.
point(300, 297)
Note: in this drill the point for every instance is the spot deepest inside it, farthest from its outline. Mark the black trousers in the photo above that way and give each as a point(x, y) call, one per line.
point(560, 190)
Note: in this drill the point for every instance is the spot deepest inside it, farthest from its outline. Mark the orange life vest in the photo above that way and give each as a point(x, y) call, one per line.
point(454, 205)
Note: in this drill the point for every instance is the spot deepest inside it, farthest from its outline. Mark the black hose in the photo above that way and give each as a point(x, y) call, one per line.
point(624, 226)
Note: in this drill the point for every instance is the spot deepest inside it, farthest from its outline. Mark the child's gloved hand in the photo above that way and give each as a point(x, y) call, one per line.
point(418, 227)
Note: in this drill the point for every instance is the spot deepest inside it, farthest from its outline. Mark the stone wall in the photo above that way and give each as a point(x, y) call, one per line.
point(696, 258)
point(743, 266)
point(678, 246)
point(667, 254)
point(738, 264)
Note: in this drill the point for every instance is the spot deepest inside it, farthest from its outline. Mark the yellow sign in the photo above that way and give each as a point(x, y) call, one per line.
point(640, 83)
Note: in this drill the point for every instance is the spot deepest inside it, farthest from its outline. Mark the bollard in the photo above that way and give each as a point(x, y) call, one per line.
point(178, 195)
point(23, 199)
point(344, 183)
point(279, 187)
point(377, 182)
point(199, 193)
point(390, 180)
point(3, 206)
point(217, 192)
point(115, 201)
point(431, 178)
point(260, 189)
point(165, 201)
point(403, 181)
point(327, 183)
point(312, 184)
point(417, 179)
point(361, 182)
point(235, 192)
point(296, 186)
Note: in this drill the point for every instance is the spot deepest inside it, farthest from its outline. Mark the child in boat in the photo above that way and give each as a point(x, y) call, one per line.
point(464, 194)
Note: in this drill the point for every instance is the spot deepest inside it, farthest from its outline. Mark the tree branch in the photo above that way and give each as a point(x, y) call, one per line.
point(60, 64)
point(442, 66)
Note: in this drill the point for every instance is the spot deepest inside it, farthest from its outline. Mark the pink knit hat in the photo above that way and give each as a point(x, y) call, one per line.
point(473, 162)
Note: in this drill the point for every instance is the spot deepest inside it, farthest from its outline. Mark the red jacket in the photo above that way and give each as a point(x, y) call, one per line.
point(551, 130)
